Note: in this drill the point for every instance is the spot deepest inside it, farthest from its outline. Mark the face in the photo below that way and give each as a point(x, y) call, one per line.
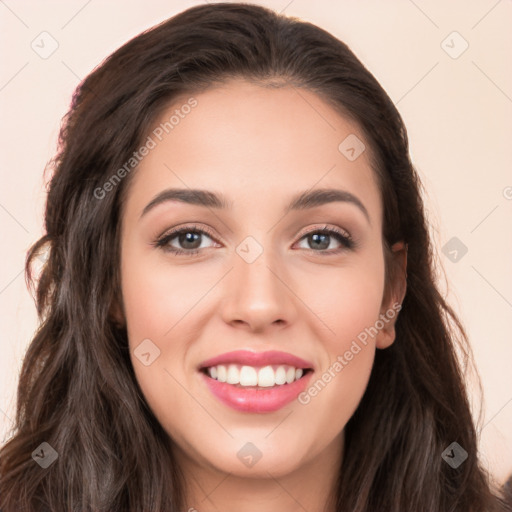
point(284, 297)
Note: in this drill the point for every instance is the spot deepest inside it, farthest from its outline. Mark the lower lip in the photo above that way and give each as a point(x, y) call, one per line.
point(257, 400)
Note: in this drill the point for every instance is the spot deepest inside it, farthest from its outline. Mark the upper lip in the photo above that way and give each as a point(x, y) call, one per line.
point(249, 358)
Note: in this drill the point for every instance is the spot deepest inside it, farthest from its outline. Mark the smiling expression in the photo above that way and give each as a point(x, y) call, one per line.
point(280, 255)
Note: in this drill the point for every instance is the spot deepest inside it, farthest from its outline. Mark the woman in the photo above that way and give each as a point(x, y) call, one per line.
point(264, 367)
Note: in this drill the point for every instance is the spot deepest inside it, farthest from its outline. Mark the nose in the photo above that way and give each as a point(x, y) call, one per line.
point(258, 296)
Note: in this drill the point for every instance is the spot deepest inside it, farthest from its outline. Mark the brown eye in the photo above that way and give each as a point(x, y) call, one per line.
point(187, 240)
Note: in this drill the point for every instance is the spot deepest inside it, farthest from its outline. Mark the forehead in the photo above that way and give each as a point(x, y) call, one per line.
point(256, 145)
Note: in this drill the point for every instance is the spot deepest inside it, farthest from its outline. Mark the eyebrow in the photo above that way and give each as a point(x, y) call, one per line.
point(302, 201)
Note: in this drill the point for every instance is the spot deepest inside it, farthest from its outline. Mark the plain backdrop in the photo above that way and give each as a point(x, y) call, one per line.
point(446, 66)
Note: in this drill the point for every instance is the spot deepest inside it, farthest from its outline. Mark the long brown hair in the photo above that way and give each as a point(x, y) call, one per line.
point(77, 389)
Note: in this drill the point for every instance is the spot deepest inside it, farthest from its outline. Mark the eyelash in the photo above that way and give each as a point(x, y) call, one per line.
point(162, 243)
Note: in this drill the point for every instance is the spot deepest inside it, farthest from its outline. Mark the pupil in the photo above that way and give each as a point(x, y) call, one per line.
point(190, 237)
point(325, 237)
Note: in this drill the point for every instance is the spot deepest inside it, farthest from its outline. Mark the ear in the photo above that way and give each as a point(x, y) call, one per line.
point(394, 293)
point(116, 313)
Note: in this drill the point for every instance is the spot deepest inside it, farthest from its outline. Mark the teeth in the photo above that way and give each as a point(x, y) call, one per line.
point(265, 377)
point(233, 375)
point(248, 376)
point(280, 375)
point(221, 373)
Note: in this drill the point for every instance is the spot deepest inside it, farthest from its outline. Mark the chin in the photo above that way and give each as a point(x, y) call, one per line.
point(256, 456)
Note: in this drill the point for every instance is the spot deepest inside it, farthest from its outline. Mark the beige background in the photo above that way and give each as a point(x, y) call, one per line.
point(457, 110)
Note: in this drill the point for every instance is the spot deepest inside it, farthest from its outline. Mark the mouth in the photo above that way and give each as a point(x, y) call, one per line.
point(255, 377)
point(256, 382)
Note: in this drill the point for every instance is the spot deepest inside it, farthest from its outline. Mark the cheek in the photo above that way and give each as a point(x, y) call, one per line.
point(161, 304)
point(348, 301)
point(156, 302)
point(157, 297)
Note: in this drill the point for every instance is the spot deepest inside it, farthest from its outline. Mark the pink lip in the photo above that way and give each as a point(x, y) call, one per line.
point(246, 357)
point(256, 399)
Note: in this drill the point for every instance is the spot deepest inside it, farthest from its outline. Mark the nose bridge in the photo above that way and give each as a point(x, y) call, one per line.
point(257, 292)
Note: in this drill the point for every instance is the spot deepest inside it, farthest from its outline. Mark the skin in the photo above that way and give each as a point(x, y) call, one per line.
point(258, 146)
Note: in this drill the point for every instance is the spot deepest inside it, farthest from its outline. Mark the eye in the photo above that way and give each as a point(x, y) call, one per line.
point(189, 238)
point(320, 239)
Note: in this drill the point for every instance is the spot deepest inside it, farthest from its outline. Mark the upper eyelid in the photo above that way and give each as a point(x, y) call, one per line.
point(206, 231)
